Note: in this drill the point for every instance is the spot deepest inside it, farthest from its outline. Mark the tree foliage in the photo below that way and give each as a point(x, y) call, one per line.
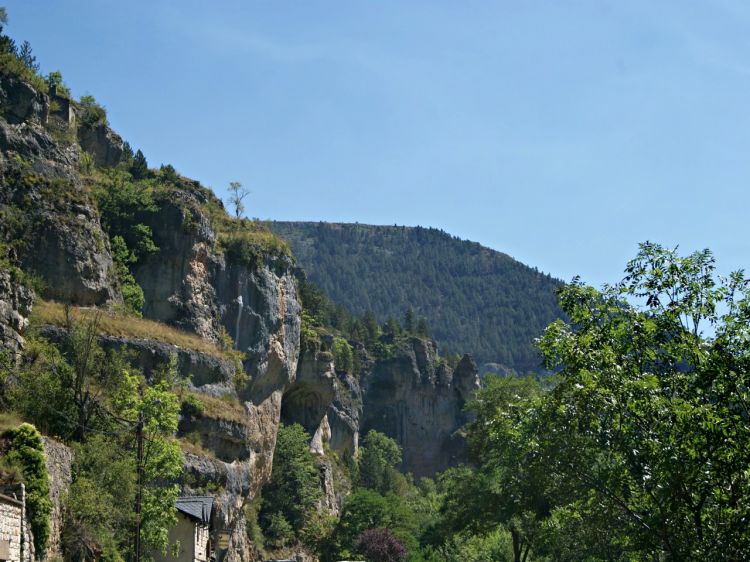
point(379, 458)
point(26, 452)
point(380, 545)
point(293, 491)
point(475, 300)
point(639, 451)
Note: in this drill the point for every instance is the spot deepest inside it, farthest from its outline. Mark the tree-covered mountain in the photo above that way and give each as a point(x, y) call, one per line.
point(474, 298)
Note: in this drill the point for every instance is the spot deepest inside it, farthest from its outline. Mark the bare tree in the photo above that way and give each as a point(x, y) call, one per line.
point(236, 194)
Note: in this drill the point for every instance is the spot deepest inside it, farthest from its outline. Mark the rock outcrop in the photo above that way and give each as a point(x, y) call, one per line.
point(326, 402)
point(21, 102)
point(190, 284)
point(419, 403)
point(45, 209)
point(104, 145)
point(15, 307)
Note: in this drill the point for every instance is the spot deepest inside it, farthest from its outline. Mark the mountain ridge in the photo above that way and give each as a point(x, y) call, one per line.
point(475, 298)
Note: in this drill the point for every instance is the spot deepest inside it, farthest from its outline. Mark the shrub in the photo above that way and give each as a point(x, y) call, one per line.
point(279, 532)
point(27, 453)
point(343, 355)
point(380, 545)
point(132, 293)
point(55, 80)
point(192, 407)
point(169, 174)
point(93, 113)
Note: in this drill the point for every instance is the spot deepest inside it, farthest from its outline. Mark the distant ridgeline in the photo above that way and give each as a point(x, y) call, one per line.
point(475, 299)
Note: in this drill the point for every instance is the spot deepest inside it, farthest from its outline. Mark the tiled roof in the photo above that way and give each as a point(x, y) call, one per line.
point(197, 507)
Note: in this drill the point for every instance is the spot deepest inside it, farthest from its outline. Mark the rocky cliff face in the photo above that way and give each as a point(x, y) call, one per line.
point(419, 402)
point(326, 402)
point(47, 214)
point(15, 307)
point(53, 230)
point(189, 283)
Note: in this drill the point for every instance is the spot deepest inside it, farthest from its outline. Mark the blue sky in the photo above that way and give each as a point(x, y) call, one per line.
point(562, 132)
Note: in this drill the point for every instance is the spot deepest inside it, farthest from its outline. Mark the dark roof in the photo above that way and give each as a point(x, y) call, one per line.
point(197, 507)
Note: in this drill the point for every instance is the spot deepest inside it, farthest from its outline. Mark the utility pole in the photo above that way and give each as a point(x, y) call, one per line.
point(139, 485)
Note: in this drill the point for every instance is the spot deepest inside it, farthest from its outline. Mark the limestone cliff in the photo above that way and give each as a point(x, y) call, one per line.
point(419, 402)
point(47, 216)
point(15, 306)
point(50, 226)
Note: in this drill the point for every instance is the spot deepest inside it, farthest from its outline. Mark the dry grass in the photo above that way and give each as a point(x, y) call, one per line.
point(9, 420)
point(191, 444)
point(228, 408)
point(124, 325)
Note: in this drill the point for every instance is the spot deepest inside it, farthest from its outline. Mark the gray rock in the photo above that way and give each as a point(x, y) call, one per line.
point(63, 240)
point(201, 369)
point(420, 406)
point(102, 143)
point(15, 307)
point(21, 102)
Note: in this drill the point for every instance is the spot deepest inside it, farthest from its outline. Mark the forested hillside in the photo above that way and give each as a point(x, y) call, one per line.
point(474, 298)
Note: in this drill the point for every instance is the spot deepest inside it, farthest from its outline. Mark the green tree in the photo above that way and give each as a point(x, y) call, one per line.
point(26, 56)
point(409, 321)
point(366, 509)
point(132, 293)
point(150, 414)
point(55, 82)
point(379, 457)
point(343, 355)
point(508, 487)
point(423, 329)
point(98, 510)
point(237, 194)
point(647, 427)
point(293, 489)
point(26, 452)
point(372, 330)
point(139, 166)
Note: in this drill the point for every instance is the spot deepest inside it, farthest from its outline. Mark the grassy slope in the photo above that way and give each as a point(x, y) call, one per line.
point(123, 325)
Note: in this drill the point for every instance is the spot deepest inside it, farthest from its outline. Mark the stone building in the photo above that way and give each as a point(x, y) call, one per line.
point(192, 532)
point(16, 544)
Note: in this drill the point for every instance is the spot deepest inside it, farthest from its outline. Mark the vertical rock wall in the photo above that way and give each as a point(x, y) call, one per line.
point(420, 404)
point(15, 307)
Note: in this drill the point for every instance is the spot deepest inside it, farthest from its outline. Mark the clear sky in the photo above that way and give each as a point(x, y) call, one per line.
point(562, 132)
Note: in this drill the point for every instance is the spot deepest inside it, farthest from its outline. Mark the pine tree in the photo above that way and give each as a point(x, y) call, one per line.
point(27, 58)
point(409, 325)
point(139, 167)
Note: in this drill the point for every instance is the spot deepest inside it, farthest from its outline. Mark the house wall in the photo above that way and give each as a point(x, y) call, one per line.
point(202, 533)
point(184, 532)
point(11, 527)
